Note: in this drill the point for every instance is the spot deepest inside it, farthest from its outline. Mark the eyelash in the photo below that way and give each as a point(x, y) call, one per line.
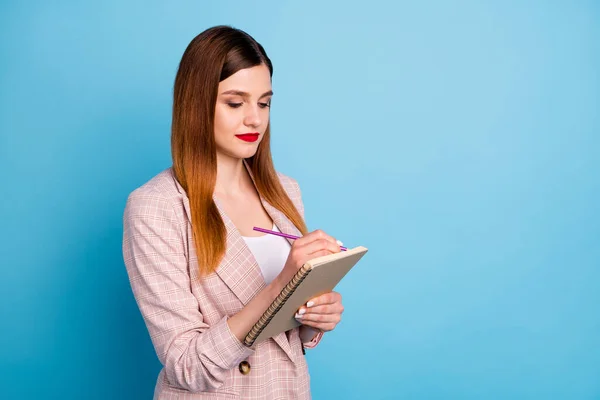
point(237, 105)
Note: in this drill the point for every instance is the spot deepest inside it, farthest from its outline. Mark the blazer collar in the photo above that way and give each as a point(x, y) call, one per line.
point(238, 268)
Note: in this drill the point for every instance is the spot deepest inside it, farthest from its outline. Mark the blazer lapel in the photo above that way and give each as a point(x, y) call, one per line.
point(238, 268)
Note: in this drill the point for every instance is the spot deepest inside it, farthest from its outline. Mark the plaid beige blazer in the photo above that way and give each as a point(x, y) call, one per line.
point(187, 316)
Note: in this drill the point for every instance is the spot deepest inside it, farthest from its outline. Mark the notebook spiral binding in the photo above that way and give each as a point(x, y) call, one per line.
point(276, 305)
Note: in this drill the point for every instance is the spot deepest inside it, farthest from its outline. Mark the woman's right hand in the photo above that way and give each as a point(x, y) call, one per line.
point(315, 244)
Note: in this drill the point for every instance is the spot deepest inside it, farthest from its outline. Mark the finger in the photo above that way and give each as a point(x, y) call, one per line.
point(320, 245)
point(320, 326)
point(329, 249)
point(335, 308)
point(319, 318)
point(327, 298)
point(316, 235)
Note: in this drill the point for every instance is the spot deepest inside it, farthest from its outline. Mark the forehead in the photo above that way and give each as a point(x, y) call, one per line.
point(255, 80)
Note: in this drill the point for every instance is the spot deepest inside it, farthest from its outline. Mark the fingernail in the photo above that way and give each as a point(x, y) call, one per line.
point(301, 311)
point(339, 242)
point(309, 304)
point(298, 316)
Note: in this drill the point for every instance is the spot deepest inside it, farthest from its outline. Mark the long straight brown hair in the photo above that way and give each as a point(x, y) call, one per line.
point(211, 57)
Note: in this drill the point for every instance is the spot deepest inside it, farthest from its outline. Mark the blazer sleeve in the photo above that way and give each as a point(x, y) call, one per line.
point(196, 356)
point(308, 331)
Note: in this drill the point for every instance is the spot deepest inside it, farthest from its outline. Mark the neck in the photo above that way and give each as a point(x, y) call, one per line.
point(232, 177)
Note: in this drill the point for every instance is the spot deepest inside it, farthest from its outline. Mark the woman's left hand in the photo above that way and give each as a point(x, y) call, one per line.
point(323, 312)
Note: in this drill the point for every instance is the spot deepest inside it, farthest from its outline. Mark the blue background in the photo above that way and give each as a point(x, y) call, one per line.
point(458, 141)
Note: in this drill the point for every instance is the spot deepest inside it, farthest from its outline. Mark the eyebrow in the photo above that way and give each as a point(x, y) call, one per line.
point(246, 95)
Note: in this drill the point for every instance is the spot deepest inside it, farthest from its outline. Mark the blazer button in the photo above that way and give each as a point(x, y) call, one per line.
point(244, 367)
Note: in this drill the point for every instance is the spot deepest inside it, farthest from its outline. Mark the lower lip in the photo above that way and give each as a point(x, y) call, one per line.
point(248, 138)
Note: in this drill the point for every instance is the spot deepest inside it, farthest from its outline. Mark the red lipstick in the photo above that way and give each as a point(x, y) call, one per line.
point(249, 137)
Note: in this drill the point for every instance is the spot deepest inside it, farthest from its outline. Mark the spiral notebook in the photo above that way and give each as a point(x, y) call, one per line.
point(318, 276)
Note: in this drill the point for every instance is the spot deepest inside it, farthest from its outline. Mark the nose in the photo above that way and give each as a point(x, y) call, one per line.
point(252, 117)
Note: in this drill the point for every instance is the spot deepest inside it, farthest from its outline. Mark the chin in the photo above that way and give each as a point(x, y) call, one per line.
point(242, 153)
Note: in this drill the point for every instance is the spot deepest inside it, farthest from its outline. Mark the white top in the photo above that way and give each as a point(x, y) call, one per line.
point(270, 251)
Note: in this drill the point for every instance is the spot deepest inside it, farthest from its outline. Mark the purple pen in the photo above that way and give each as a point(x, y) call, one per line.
point(285, 235)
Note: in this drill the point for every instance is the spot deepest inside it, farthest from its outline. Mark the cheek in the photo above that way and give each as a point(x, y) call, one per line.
point(224, 122)
point(266, 113)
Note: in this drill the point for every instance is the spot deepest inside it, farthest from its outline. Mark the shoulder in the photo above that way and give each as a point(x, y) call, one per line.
point(292, 188)
point(290, 185)
point(159, 195)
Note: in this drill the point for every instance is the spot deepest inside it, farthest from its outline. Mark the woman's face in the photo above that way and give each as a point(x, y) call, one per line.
point(242, 111)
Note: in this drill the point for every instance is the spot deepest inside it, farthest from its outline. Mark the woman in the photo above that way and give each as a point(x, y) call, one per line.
point(200, 275)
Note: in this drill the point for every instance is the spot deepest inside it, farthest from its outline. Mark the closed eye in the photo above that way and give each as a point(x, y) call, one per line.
point(261, 105)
